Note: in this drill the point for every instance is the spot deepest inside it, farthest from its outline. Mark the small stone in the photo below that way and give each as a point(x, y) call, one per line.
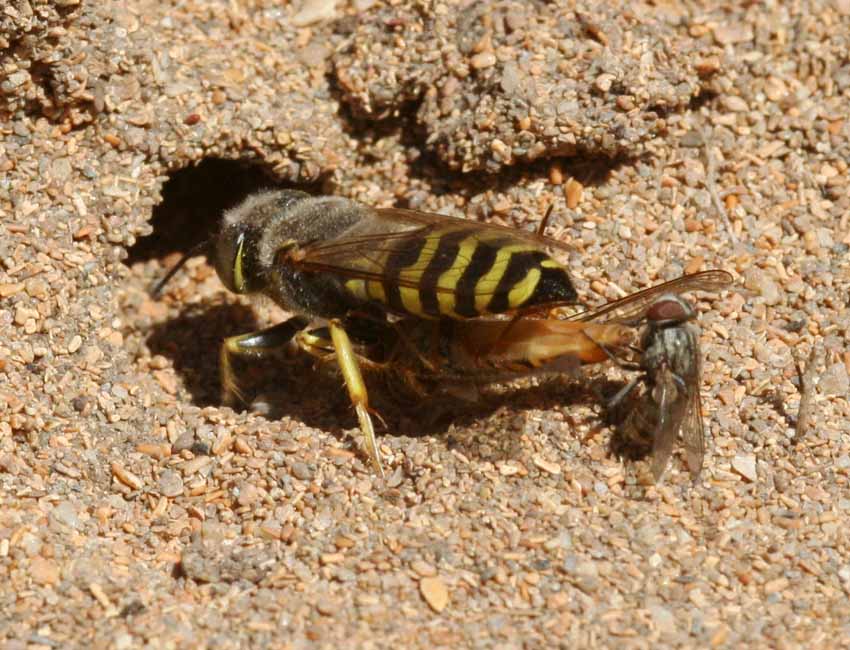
point(301, 471)
point(435, 593)
point(834, 380)
point(167, 380)
point(765, 285)
point(604, 82)
point(314, 11)
point(707, 67)
point(15, 80)
point(10, 289)
point(776, 585)
point(123, 641)
point(65, 514)
point(37, 288)
point(424, 569)
point(184, 442)
point(698, 598)
point(663, 619)
point(775, 89)
point(483, 60)
point(735, 104)
point(746, 467)
point(248, 495)
point(170, 483)
point(573, 192)
point(547, 466)
point(61, 168)
point(731, 34)
point(327, 608)
point(127, 478)
point(44, 571)
point(585, 575)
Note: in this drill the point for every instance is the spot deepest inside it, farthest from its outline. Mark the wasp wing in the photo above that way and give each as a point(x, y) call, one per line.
point(362, 251)
point(631, 309)
point(398, 248)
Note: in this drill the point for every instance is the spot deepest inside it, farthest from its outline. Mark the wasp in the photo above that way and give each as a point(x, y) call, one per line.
point(374, 270)
point(651, 331)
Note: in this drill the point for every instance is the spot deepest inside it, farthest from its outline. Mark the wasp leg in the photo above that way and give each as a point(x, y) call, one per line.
point(347, 360)
point(254, 344)
point(316, 343)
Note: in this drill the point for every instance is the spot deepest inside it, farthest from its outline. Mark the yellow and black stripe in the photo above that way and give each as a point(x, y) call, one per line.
point(458, 273)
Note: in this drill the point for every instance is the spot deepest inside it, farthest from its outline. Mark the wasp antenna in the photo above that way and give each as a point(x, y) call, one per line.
point(156, 290)
point(541, 229)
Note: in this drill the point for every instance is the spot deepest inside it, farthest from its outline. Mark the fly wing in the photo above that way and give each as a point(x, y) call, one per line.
point(631, 309)
point(693, 432)
point(672, 405)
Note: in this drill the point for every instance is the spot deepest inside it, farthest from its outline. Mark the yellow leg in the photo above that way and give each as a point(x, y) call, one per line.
point(255, 344)
point(316, 343)
point(347, 360)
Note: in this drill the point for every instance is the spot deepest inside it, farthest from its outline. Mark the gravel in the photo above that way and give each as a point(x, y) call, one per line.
point(137, 511)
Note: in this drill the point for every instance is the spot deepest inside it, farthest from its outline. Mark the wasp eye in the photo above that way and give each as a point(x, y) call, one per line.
point(239, 265)
point(229, 259)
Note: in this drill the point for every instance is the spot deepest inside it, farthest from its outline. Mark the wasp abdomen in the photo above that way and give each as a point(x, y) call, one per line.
point(458, 273)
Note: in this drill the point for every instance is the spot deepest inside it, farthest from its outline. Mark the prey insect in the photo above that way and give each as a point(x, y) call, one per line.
point(667, 354)
point(333, 259)
point(670, 361)
point(669, 358)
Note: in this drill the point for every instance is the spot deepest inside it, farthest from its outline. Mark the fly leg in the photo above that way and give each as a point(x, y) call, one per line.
point(347, 360)
point(624, 392)
point(254, 344)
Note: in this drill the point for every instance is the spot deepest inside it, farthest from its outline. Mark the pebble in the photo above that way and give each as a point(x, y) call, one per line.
point(314, 11)
point(104, 155)
point(65, 513)
point(44, 571)
point(483, 60)
point(248, 495)
point(424, 569)
point(170, 483)
point(663, 619)
point(302, 471)
point(729, 34)
point(761, 282)
point(547, 466)
point(184, 442)
point(746, 467)
point(126, 477)
point(735, 104)
point(835, 381)
point(435, 593)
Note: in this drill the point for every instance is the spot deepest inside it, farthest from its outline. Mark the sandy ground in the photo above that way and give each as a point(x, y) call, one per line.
point(136, 511)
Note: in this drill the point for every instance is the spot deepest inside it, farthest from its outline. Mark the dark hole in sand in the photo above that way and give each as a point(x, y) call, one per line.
point(193, 200)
